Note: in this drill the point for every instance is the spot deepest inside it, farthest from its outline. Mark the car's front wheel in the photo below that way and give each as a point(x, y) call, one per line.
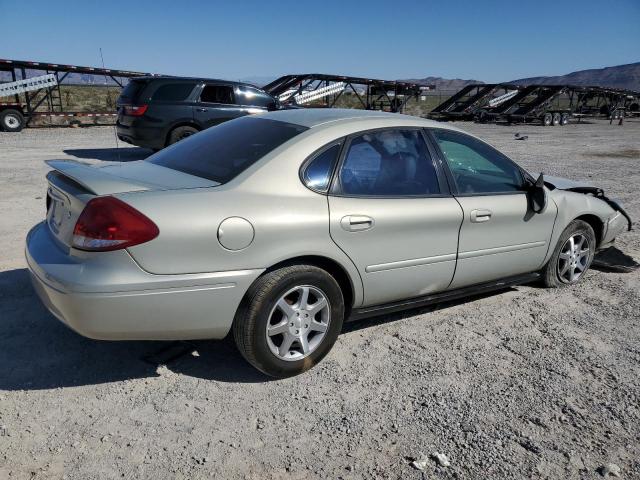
point(572, 256)
point(289, 320)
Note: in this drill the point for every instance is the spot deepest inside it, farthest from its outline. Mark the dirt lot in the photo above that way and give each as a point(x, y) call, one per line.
point(526, 383)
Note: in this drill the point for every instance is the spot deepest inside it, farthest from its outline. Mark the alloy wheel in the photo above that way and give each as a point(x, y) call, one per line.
point(573, 259)
point(298, 323)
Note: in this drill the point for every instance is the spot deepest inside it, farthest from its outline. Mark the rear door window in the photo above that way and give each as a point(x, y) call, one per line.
point(393, 163)
point(223, 152)
point(173, 92)
point(217, 94)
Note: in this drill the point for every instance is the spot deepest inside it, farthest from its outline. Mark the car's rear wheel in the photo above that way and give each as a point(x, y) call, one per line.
point(556, 119)
point(572, 256)
point(547, 119)
point(564, 119)
point(11, 120)
point(289, 320)
point(180, 133)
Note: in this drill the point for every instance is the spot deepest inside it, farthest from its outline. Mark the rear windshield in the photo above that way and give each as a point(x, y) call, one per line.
point(133, 88)
point(223, 152)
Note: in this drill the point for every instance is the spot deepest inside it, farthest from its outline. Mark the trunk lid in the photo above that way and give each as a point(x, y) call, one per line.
point(72, 184)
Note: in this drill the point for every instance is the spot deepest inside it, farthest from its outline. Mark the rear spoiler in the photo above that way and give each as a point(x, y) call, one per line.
point(96, 180)
point(121, 177)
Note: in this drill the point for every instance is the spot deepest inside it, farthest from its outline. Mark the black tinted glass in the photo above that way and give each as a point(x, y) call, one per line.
point(222, 152)
point(389, 163)
point(132, 89)
point(476, 166)
point(318, 171)
point(173, 92)
point(217, 94)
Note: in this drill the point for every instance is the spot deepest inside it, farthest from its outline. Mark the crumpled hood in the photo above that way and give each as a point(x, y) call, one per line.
point(565, 184)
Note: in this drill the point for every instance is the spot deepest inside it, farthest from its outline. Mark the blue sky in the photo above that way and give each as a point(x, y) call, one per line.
point(485, 40)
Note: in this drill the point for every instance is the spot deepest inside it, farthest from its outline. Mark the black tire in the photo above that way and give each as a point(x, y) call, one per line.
point(180, 133)
point(556, 119)
point(253, 317)
point(547, 119)
point(551, 272)
point(564, 119)
point(11, 120)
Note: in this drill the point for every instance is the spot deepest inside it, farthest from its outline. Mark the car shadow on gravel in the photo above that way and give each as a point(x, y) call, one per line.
point(124, 154)
point(614, 260)
point(217, 360)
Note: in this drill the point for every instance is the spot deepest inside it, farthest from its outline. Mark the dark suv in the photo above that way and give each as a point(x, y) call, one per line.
point(154, 112)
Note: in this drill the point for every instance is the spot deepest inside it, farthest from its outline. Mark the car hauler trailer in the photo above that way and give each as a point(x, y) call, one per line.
point(546, 104)
point(317, 89)
point(531, 103)
point(465, 104)
point(24, 98)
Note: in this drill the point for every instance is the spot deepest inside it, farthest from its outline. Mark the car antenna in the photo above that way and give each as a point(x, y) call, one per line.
point(115, 134)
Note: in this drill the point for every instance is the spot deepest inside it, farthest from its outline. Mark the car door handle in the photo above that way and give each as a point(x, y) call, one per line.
point(479, 216)
point(201, 109)
point(356, 223)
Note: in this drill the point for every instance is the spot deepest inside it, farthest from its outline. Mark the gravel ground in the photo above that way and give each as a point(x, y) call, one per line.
point(525, 383)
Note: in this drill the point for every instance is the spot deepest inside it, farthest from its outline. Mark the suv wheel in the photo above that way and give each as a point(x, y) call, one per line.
point(572, 256)
point(181, 133)
point(289, 320)
point(11, 120)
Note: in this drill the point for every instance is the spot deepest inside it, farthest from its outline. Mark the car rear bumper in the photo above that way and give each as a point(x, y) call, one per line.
point(141, 136)
point(108, 296)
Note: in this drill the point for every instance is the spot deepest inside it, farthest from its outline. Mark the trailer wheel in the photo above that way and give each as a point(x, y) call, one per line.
point(556, 119)
point(564, 119)
point(547, 119)
point(11, 120)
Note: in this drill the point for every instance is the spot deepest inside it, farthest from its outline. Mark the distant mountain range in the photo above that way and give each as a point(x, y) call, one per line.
point(620, 76)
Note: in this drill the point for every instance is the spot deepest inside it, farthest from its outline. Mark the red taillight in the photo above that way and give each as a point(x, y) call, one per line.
point(107, 223)
point(135, 110)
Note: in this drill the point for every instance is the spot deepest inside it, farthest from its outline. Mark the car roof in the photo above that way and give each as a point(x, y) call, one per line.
point(313, 117)
point(164, 78)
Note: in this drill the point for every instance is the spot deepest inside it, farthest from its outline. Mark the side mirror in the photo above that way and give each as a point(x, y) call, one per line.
point(275, 105)
point(538, 195)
